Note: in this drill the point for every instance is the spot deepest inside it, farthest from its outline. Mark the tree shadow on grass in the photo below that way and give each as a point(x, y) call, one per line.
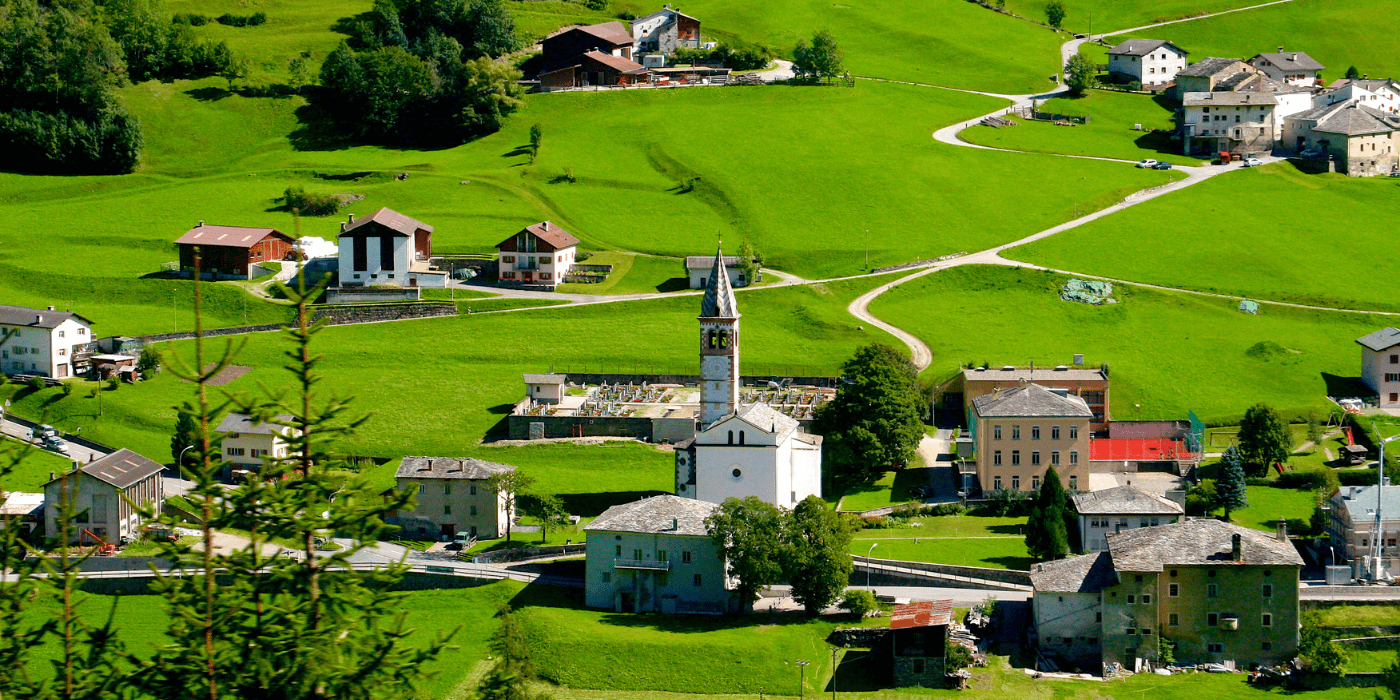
point(593, 504)
point(317, 131)
point(208, 94)
point(861, 671)
point(1011, 563)
point(675, 284)
point(1012, 529)
point(517, 151)
point(1345, 387)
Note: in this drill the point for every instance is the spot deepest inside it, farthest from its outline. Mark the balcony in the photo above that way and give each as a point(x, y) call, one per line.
point(643, 564)
point(527, 265)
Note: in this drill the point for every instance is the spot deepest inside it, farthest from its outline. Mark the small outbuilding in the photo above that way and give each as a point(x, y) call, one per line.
point(232, 252)
point(545, 388)
point(918, 641)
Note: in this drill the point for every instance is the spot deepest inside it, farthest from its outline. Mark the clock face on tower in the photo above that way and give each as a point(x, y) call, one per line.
point(715, 367)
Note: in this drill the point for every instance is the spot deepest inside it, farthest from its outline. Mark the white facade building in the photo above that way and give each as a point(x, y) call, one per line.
point(656, 555)
point(1118, 509)
point(1238, 122)
point(387, 248)
point(545, 388)
point(1146, 61)
point(1383, 95)
point(1290, 67)
point(540, 255)
point(665, 30)
point(1380, 364)
point(247, 444)
point(740, 451)
point(697, 269)
point(43, 341)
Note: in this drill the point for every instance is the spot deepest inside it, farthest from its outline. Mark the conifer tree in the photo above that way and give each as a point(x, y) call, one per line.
point(1230, 489)
point(1046, 536)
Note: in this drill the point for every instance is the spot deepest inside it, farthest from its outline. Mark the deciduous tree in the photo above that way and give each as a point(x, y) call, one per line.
point(823, 59)
point(817, 560)
point(1264, 439)
point(507, 485)
point(1055, 13)
point(875, 422)
point(1079, 75)
point(547, 509)
point(750, 534)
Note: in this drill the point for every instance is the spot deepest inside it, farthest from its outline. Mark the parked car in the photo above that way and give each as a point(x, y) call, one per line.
point(461, 540)
point(55, 443)
point(45, 431)
point(1147, 163)
point(1251, 162)
point(1310, 153)
point(1162, 166)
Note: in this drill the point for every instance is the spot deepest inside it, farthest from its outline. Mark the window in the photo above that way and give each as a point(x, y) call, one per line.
point(1137, 578)
point(1054, 432)
point(661, 555)
point(1035, 457)
point(507, 258)
point(996, 432)
point(1211, 590)
point(696, 581)
point(1131, 599)
point(1146, 598)
point(1174, 590)
point(1143, 523)
point(1015, 457)
point(685, 557)
point(1074, 483)
point(619, 550)
point(1015, 432)
point(918, 666)
point(386, 252)
point(607, 577)
point(1215, 648)
point(1173, 620)
point(1015, 483)
point(1098, 617)
point(1268, 590)
point(636, 555)
point(731, 437)
point(1268, 620)
point(82, 331)
point(1132, 631)
point(60, 334)
point(996, 458)
point(1267, 646)
point(1394, 359)
point(1146, 631)
point(447, 488)
point(1073, 457)
point(473, 510)
point(1074, 432)
point(447, 510)
point(1212, 619)
point(996, 483)
point(1035, 483)
point(235, 451)
point(1035, 432)
point(1055, 457)
point(741, 437)
point(473, 489)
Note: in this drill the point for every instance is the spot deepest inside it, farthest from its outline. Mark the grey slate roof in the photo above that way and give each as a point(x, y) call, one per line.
point(1227, 99)
point(1196, 542)
point(1047, 374)
point(1289, 60)
point(449, 468)
point(1257, 82)
point(763, 417)
point(1030, 401)
point(120, 469)
point(700, 262)
point(1360, 502)
point(658, 515)
point(1125, 500)
point(1088, 573)
point(1383, 339)
point(1142, 47)
point(1356, 120)
point(719, 296)
point(239, 423)
point(1207, 67)
point(36, 318)
point(545, 378)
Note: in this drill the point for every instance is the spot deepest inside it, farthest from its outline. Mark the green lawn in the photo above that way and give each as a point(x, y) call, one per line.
point(1168, 353)
point(1112, 15)
point(33, 471)
point(890, 489)
point(963, 540)
point(1216, 245)
point(1293, 25)
point(1358, 616)
point(1370, 660)
point(455, 379)
point(633, 274)
point(1268, 504)
point(1109, 133)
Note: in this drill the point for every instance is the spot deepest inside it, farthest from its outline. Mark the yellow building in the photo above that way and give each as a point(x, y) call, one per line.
point(1019, 433)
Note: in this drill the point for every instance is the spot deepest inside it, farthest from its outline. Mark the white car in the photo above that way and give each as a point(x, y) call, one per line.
point(1251, 162)
point(1146, 163)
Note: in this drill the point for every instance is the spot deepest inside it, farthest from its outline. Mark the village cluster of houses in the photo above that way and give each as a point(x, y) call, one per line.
point(1275, 100)
point(609, 55)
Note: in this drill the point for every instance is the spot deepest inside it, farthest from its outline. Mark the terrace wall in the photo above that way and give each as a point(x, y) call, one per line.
point(648, 429)
point(691, 379)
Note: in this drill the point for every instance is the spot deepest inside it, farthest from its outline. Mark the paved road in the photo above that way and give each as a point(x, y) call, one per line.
point(79, 453)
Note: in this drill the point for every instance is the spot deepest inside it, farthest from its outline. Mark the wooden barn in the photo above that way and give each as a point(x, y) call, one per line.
point(232, 252)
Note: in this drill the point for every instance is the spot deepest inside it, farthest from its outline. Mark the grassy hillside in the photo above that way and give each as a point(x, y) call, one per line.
point(1278, 251)
point(827, 174)
point(1168, 353)
point(1114, 15)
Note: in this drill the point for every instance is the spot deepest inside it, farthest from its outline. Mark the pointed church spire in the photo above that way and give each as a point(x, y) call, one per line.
point(719, 296)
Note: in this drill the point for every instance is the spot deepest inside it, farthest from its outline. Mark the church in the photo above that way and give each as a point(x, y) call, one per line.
point(740, 451)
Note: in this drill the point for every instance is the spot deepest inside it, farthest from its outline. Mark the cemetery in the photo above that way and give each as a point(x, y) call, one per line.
point(660, 408)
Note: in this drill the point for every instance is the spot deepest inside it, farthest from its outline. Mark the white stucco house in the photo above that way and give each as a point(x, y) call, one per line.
point(1292, 67)
point(44, 342)
point(698, 267)
point(387, 248)
point(102, 493)
point(247, 444)
point(740, 451)
point(545, 388)
point(539, 255)
point(656, 555)
point(1146, 61)
point(1380, 364)
point(1118, 509)
point(1383, 95)
point(453, 495)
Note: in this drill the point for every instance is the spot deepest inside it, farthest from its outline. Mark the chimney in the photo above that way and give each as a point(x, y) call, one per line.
point(1281, 530)
point(50, 308)
point(51, 476)
point(675, 523)
point(201, 224)
point(342, 226)
point(545, 226)
point(1294, 57)
point(352, 218)
point(38, 318)
point(1280, 49)
point(1235, 553)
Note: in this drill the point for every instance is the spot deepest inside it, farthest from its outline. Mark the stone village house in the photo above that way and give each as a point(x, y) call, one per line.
point(1351, 528)
point(1147, 62)
point(664, 31)
point(1362, 141)
point(453, 496)
point(1118, 509)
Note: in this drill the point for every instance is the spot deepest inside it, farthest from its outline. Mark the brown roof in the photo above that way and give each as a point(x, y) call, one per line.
point(933, 613)
point(617, 63)
point(229, 236)
point(608, 31)
point(391, 219)
point(120, 469)
point(548, 232)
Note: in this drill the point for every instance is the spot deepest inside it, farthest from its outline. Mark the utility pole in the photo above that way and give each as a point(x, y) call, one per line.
point(802, 677)
point(867, 249)
point(834, 668)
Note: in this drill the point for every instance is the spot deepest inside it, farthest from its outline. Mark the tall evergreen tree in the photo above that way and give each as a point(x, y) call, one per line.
point(1230, 484)
point(875, 422)
point(1046, 536)
point(817, 559)
point(186, 436)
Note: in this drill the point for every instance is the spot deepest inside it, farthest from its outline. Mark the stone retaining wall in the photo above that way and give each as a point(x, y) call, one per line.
point(335, 315)
point(865, 637)
point(998, 575)
point(503, 556)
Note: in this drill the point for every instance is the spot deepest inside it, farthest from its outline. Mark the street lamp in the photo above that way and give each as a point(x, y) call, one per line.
point(1376, 535)
point(180, 461)
point(873, 545)
point(802, 677)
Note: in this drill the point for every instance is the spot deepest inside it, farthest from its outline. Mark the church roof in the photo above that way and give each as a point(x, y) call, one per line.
point(762, 416)
point(719, 296)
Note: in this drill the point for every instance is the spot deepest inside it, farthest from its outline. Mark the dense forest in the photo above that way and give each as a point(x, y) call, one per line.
point(423, 72)
point(61, 63)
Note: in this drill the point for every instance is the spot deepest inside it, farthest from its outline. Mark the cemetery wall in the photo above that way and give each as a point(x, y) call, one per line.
point(690, 379)
point(647, 429)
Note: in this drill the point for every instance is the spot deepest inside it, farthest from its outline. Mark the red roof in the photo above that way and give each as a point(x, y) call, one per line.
point(1138, 449)
point(617, 63)
point(553, 236)
point(934, 613)
point(229, 236)
point(392, 220)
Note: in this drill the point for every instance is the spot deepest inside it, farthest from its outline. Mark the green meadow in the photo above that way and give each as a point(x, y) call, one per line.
point(1100, 16)
point(1110, 133)
point(961, 540)
point(1169, 353)
point(1214, 244)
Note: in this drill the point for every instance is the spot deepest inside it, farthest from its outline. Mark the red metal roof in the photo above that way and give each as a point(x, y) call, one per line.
point(391, 219)
point(550, 234)
point(230, 236)
point(934, 613)
point(617, 63)
point(1138, 449)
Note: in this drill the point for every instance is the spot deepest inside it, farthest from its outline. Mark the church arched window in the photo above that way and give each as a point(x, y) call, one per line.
point(724, 339)
point(741, 437)
point(712, 338)
point(731, 437)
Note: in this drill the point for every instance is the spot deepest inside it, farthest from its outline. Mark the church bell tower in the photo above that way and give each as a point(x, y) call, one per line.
point(719, 347)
